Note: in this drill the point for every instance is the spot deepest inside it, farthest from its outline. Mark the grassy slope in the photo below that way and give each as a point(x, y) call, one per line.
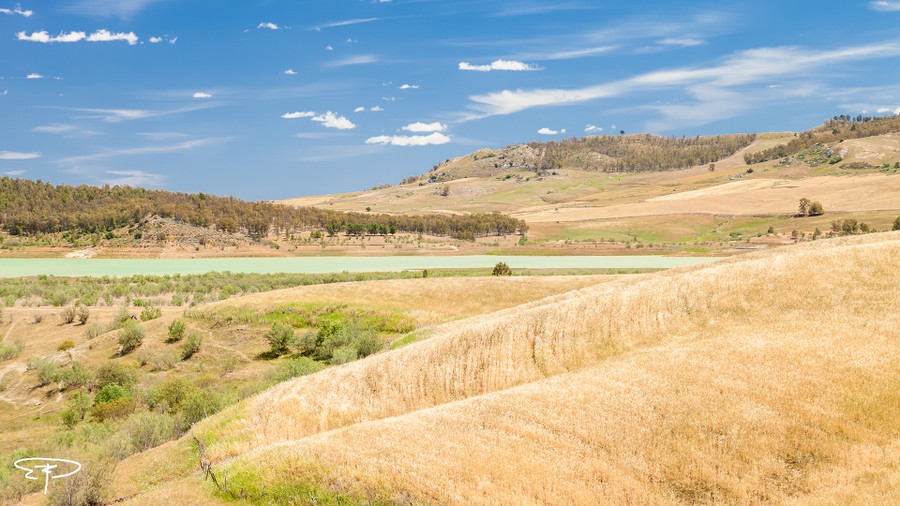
point(589, 206)
point(751, 380)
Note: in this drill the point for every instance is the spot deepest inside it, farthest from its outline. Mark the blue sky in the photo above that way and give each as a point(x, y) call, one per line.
point(268, 99)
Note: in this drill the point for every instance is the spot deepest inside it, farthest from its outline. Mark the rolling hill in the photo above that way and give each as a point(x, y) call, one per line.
point(765, 378)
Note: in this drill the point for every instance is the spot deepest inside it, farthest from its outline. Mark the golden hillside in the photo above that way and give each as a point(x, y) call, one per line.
point(766, 378)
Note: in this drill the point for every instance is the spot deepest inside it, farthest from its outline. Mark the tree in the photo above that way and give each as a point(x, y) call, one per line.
point(897, 223)
point(816, 209)
point(131, 337)
point(281, 337)
point(804, 207)
point(712, 167)
point(501, 269)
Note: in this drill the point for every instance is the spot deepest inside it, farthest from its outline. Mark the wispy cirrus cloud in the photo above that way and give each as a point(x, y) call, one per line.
point(120, 115)
point(133, 178)
point(708, 85)
point(508, 65)
point(345, 22)
point(533, 8)
point(885, 5)
point(409, 140)
point(54, 128)
point(362, 59)
point(124, 9)
point(16, 155)
point(143, 150)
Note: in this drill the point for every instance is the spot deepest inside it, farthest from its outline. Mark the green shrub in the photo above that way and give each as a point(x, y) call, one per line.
point(68, 315)
point(46, 370)
point(114, 373)
point(501, 269)
point(191, 346)
point(296, 367)
point(148, 430)
point(897, 223)
point(169, 396)
point(344, 354)
point(111, 392)
point(131, 336)
point(176, 330)
point(68, 344)
point(281, 337)
point(74, 376)
point(150, 313)
point(83, 314)
point(94, 330)
point(117, 408)
point(201, 404)
point(10, 350)
point(79, 405)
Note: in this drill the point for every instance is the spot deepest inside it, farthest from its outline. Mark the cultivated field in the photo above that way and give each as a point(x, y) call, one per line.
point(768, 378)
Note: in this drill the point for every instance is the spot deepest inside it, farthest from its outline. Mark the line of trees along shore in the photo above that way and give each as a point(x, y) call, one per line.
point(36, 207)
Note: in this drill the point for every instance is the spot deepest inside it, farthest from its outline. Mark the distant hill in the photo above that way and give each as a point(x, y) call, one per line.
point(626, 153)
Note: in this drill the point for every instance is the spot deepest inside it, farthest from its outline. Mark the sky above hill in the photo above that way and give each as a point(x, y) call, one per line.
point(268, 99)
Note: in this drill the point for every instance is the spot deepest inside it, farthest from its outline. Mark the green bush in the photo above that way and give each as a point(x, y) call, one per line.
point(117, 408)
point(150, 313)
point(148, 430)
point(344, 354)
point(68, 344)
point(10, 350)
point(897, 223)
point(169, 396)
point(46, 370)
point(191, 346)
point(176, 330)
point(201, 404)
point(83, 314)
point(68, 315)
point(79, 405)
point(131, 336)
point(114, 373)
point(296, 367)
point(281, 337)
point(501, 269)
point(111, 392)
point(94, 330)
point(74, 376)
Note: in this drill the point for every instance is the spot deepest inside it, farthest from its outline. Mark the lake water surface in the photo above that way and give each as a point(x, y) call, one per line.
point(16, 267)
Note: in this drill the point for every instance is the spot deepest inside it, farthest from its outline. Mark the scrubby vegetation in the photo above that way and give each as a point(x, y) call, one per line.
point(36, 207)
point(834, 130)
point(637, 153)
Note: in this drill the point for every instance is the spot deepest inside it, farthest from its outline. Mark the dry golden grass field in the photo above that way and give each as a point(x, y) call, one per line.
point(766, 378)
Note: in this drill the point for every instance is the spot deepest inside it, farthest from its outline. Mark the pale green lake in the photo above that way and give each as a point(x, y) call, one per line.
point(17, 267)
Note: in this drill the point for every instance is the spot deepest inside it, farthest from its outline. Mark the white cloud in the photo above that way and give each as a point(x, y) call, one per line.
point(377, 108)
point(119, 115)
point(202, 94)
point(329, 119)
point(268, 26)
point(410, 140)
point(156, 40)
point(34, 75)
point(329, 48)
point(133, 178)
point(18, 10)
point(103, 35)
point(591, 128)
point(682, 41)
point(547, 131)
point(53, 128)
point(884, 5)
point(511, 65)
point(13, 173)
point(360, 109)
point(882, 110)
point(13, 155)
point(295, 115)
point(409, 87)
point(425, 127)
point(741, 68)
point(290, 72)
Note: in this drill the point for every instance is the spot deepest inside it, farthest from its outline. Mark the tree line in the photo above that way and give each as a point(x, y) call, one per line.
point(836, 129)
point(637, 153)
point(36, 207)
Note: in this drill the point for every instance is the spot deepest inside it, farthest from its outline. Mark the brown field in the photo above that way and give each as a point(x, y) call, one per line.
point(767, 378)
